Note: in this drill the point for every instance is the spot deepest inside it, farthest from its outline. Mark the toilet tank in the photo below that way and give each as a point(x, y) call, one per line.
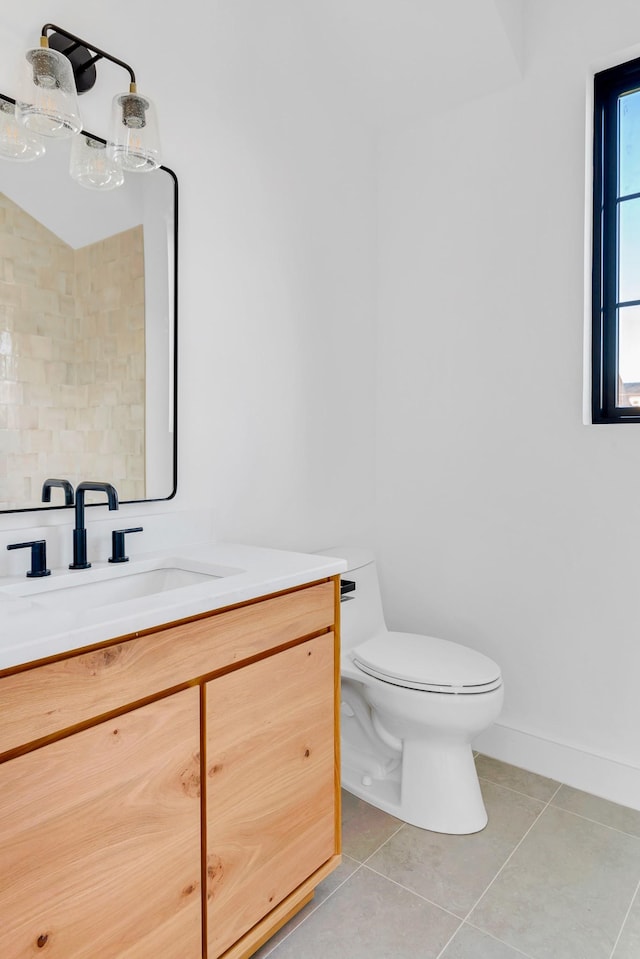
point(361, 614)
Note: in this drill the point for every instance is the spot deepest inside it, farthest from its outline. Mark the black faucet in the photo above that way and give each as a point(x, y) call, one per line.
point(66, 486)
point(80, 533)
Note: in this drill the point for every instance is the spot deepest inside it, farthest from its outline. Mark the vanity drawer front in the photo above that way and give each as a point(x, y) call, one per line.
point(45, 700)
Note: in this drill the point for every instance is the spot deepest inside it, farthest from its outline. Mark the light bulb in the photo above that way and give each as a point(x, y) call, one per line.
point(91, 167)
point(16, 143)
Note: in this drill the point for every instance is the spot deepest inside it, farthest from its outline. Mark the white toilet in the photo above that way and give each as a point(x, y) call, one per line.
point(411, 706)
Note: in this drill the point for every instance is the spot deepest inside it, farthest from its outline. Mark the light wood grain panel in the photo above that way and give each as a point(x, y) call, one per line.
point(46, 699)
point(270, 784)
point(100, 852)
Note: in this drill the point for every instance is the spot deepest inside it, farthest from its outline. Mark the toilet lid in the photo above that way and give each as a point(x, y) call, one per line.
point(424, 662)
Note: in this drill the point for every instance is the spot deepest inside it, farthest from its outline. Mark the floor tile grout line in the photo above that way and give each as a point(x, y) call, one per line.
point(450, 940)
point(464, 922)
point(512, 853)
point(383, 844)
point(413, 892)
point(635, 896)
point(519, 792)
point(598, 822)
point(484, 932)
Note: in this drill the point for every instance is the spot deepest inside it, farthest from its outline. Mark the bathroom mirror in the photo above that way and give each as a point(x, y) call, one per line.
point(88, 330)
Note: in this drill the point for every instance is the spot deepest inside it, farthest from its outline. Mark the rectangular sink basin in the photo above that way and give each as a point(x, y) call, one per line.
point(91, 589)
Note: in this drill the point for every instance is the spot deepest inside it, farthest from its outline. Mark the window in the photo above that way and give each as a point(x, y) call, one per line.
point(616, 246)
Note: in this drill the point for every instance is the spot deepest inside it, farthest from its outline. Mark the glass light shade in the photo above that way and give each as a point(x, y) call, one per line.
point(16, 142)
point(134, 142)
point(47, 102)
point(91, 167)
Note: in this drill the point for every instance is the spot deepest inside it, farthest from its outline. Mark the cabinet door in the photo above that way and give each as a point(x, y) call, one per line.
point(270, 785)
point(100, 840)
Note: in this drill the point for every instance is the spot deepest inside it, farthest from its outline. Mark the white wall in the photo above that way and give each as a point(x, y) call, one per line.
point(277, 238)
point(282, 353)
point(504, 522)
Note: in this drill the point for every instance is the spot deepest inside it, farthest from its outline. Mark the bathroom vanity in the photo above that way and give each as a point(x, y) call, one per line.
point(169, 769)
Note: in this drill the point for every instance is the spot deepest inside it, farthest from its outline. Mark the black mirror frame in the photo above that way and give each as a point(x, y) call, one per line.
point(157, 499)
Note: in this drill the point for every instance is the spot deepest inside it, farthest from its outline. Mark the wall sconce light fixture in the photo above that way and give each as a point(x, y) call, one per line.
point(64, 66)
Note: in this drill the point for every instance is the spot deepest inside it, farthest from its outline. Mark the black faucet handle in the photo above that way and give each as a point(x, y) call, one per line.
point(117, 544)
point(38, 549)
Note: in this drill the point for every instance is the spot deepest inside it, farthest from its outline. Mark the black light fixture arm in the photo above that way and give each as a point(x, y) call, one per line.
point(79, 52)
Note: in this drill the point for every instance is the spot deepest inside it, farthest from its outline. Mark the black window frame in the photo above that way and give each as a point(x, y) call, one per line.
point(608, 86)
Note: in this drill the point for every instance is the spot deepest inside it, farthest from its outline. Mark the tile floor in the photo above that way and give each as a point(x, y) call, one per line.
point(555, 875)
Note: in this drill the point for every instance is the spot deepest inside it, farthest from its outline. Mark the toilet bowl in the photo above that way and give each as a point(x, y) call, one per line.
point(411, 706)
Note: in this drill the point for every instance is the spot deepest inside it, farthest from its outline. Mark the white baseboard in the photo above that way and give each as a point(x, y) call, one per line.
point(607, 778)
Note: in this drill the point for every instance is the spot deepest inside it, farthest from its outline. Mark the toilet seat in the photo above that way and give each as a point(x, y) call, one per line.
point(427, 663)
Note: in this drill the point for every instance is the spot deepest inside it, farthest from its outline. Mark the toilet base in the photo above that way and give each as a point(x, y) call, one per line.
point(440, 786)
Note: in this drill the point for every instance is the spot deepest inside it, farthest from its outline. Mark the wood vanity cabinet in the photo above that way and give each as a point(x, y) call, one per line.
point(172, 793)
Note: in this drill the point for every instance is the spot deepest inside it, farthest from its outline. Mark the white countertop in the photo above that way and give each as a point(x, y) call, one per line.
point(29, 632)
